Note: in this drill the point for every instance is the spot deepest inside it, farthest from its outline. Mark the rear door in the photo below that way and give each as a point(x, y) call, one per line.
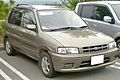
point(13, 27)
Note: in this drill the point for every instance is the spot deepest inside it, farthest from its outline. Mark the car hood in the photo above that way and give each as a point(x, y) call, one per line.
point(80, 38)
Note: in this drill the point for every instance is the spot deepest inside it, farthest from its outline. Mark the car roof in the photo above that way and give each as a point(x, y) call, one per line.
point(40, 7)
point(46, 7)
point(101, 2)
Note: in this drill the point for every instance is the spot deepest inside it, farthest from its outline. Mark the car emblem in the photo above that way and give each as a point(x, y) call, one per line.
point(96, 48)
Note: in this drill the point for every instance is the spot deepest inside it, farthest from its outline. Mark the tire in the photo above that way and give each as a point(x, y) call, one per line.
point(8, 48)
point(118, 46)
point(46, 65)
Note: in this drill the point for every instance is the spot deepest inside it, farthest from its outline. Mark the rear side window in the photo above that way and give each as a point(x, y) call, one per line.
point(87, 11)
point(78, 9)
point(17, 17)
point(101, 11)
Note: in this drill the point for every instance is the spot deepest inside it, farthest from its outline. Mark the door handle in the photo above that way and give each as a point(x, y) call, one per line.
point(94, 25)
point(20, 34)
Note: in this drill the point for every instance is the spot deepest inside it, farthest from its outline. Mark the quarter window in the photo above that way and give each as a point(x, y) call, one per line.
point(10, 18)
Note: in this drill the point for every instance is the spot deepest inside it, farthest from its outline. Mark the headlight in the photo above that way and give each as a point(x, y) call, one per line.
point(62, 50)
point(112, 45)
point(68, 50)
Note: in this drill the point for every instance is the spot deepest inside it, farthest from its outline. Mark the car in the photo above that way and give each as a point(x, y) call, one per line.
point(103, 16)
point(58, 39)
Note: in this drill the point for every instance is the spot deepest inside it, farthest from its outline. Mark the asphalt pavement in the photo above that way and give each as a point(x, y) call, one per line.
point(21, 67)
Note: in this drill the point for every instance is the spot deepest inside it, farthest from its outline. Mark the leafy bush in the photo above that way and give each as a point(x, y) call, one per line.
point(2, 28)
point(4, 9)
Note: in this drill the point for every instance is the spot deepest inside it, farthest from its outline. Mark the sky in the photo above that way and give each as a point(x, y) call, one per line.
point(35, 1)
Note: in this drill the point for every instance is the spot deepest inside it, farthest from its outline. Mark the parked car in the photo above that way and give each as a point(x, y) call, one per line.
point(58, 39)
point(103, 16)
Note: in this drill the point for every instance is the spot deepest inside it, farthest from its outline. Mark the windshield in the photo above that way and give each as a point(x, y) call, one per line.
point(116, 8)
point(56, 19)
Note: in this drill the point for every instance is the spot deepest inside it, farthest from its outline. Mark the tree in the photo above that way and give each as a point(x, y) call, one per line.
point(4, 8)
point(72, 3)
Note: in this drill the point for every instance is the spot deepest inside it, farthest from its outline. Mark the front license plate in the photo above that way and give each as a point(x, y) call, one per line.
point(97, 59)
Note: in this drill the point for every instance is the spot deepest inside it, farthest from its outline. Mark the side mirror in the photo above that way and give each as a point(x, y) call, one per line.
point(107, 19)
point(31, 26)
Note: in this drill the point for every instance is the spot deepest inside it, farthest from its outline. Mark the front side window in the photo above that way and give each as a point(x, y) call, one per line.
point(87, 11)
point(54, 19)
point(101, 11)
point(28, 18)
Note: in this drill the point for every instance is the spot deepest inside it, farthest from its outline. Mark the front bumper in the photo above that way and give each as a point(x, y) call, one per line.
point(81, 62)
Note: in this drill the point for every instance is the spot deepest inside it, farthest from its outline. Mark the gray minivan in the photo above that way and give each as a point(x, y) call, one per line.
point(103, 16)
point(58, 39)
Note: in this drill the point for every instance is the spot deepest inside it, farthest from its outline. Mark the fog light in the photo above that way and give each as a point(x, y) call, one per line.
point(68, 66)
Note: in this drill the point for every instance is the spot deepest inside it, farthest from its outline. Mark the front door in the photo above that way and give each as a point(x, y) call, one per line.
point(28, 36)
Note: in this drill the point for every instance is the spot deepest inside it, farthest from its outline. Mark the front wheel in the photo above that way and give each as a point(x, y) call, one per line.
point(8, 48)
point(118, 46)
point(46, 65)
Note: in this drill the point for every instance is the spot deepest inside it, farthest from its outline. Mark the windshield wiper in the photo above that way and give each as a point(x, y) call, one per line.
point(84, 27)
point(64, 28)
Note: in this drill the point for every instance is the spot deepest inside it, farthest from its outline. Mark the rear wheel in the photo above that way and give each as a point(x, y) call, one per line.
point(8, 48)
point(46, 65)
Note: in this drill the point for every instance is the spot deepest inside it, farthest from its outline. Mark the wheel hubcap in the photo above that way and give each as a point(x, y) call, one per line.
point(45, 65)
point(119, 45)
point(8, 47)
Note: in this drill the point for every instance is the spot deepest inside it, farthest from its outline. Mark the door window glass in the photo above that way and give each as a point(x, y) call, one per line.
point(87, 11)
point(100, 12)
point(17, 17)
point(28, 18)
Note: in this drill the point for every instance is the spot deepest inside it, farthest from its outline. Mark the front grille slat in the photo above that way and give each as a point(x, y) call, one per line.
point(95, 48)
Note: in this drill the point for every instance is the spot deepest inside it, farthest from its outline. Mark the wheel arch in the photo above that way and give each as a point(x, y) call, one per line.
point(44, 49)
point(117, 38)
point(5, 38)
point(48, 51)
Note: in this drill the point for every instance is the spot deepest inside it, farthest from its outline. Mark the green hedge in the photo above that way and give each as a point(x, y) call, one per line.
point(2, 28)
point(4, 9)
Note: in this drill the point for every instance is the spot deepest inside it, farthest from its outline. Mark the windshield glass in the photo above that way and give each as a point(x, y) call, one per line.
point(116, 8)
point(56, 19)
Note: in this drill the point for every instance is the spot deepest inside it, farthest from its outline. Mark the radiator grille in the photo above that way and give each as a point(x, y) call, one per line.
point(94, 48)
